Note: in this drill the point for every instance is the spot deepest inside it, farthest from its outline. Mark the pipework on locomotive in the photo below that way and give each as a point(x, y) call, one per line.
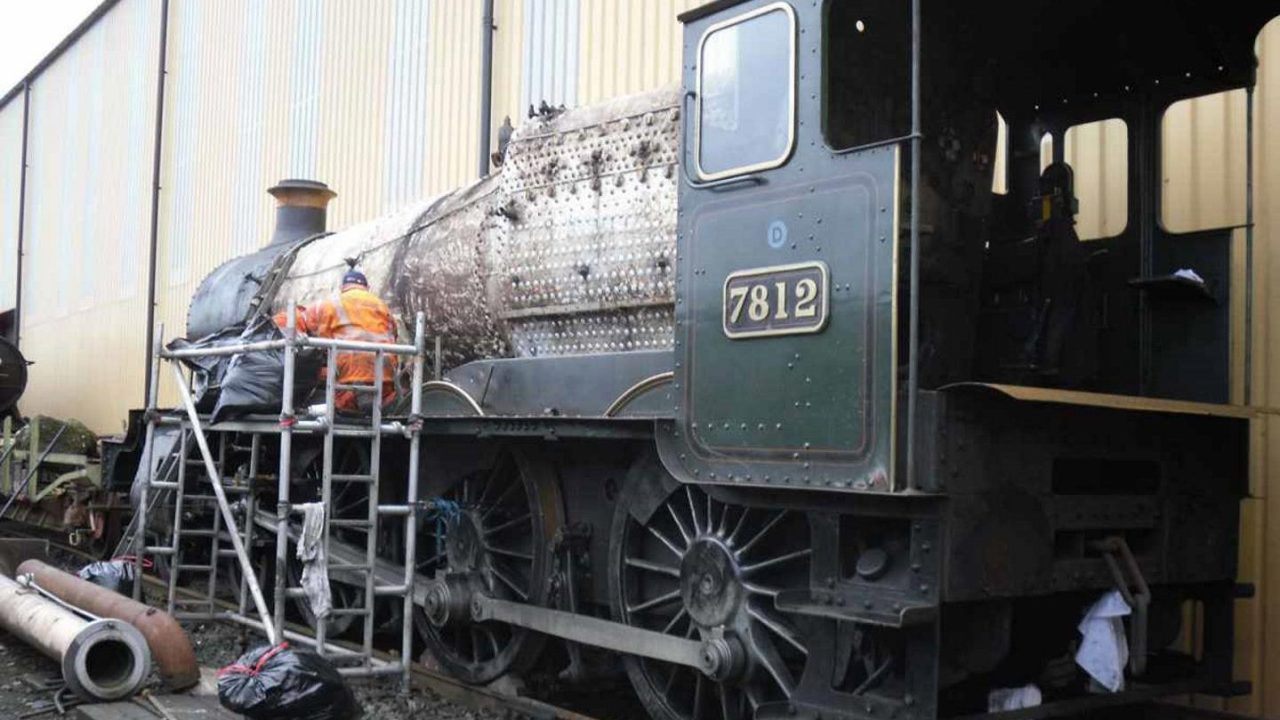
point(757, 386)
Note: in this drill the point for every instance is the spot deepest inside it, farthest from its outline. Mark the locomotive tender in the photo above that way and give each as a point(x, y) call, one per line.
point(760, 386)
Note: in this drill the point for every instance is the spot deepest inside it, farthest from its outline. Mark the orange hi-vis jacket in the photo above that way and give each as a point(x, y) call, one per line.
point(356, 314)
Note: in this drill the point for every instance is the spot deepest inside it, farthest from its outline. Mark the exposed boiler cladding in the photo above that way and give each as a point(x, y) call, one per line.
point(569, 248)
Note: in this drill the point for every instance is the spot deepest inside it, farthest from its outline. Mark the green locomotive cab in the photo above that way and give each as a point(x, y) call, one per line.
point(987, 422)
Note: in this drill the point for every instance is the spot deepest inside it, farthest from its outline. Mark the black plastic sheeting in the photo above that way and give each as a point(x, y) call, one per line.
point(232, 386)
point(115, 575)
point(284, 683)
point(224, 297)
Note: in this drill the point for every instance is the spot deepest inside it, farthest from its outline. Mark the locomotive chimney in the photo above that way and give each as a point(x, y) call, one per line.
point(301, 208)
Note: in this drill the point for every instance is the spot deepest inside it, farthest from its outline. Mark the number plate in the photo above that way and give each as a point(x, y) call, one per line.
point(779, 300)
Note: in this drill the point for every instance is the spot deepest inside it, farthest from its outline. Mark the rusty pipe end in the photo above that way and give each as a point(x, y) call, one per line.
point(169, 644)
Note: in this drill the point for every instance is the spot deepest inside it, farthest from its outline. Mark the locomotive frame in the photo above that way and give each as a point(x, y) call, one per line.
point(767, 521)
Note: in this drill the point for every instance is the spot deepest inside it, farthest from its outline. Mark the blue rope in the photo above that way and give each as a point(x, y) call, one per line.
point(444, 512)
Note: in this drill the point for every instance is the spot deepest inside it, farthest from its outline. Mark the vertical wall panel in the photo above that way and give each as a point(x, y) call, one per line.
point(551, 38)
point(10, 180)
point(84, 299)
point(629, 47)
point(1203, 163)
point(336, 92)
point(453, 95)
point(406, 104)
point(508, 64)
point(1099, 154)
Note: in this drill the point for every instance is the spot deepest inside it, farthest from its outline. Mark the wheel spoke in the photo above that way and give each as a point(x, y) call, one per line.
point(670, 545)
point(484, 512)
point(779, 627)
point(730, 703)
point(664, 599)
point(671, 679)
point(498, 466)
point(767, 655)
point(711, 516)
point(693, 511)
point(493, 641)
point(433, 559)
point(761, 590)
point(502, 577)
point(746, 547)
point(724, 520)
point(697, 698)
point(742, 520)
point(798, 554)
point(679, 525)
point(508, 524)
point(675, 620)
point(653, 567)
point(527, 557)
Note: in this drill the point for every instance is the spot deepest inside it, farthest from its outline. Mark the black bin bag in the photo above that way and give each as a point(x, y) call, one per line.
point(285, 683)
point(238, 385)
point(207, 371)
point(116, 575)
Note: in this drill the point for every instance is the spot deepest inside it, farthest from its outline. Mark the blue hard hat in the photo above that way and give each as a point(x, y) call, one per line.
point(355, 277)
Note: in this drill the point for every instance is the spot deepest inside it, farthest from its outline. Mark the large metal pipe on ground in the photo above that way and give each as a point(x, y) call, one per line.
point(101, 659)
point(170, 646)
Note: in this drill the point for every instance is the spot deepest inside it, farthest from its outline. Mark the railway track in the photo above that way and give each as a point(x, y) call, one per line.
point(423, 678)
point(490, 699)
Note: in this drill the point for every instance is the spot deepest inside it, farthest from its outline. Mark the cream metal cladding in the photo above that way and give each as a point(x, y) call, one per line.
point(338, 92)
point(629, 47)
point(87, 220)
point(10, 183)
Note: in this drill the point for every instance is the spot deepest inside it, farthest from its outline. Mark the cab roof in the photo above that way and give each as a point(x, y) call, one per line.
point(1047, 53)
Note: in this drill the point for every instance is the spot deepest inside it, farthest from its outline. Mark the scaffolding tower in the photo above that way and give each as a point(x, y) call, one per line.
point(190, 478)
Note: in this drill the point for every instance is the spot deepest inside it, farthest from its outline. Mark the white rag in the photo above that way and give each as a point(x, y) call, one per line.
point(315, 567)
point(1104, 650)
point(1002, 699)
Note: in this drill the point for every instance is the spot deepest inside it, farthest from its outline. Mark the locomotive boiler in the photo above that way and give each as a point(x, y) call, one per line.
point(759, 387)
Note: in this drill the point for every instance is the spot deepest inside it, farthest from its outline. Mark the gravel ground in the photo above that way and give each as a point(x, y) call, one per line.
point(23, 670)
point(19, 663)
point(219, 644)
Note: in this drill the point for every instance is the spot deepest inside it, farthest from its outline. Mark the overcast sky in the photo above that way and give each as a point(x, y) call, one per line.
point(29, 29)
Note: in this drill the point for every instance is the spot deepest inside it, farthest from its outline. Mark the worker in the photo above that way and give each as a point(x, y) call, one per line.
point(355, 314)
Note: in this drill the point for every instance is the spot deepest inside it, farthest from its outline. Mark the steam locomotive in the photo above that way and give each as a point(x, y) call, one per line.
point(757, 386)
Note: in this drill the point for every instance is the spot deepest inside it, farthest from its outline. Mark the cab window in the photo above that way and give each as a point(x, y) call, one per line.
point(867, 72)
point(746, 93)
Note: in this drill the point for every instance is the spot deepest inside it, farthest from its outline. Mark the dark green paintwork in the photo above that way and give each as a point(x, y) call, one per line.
point(796, 410)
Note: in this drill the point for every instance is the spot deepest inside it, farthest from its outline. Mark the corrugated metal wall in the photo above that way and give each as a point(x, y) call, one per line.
point(10, 180)
point(1099, 153)
point(340, 92)
point(550, 67)
point(629, 47)
point(87, 221)
point(379, 99)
